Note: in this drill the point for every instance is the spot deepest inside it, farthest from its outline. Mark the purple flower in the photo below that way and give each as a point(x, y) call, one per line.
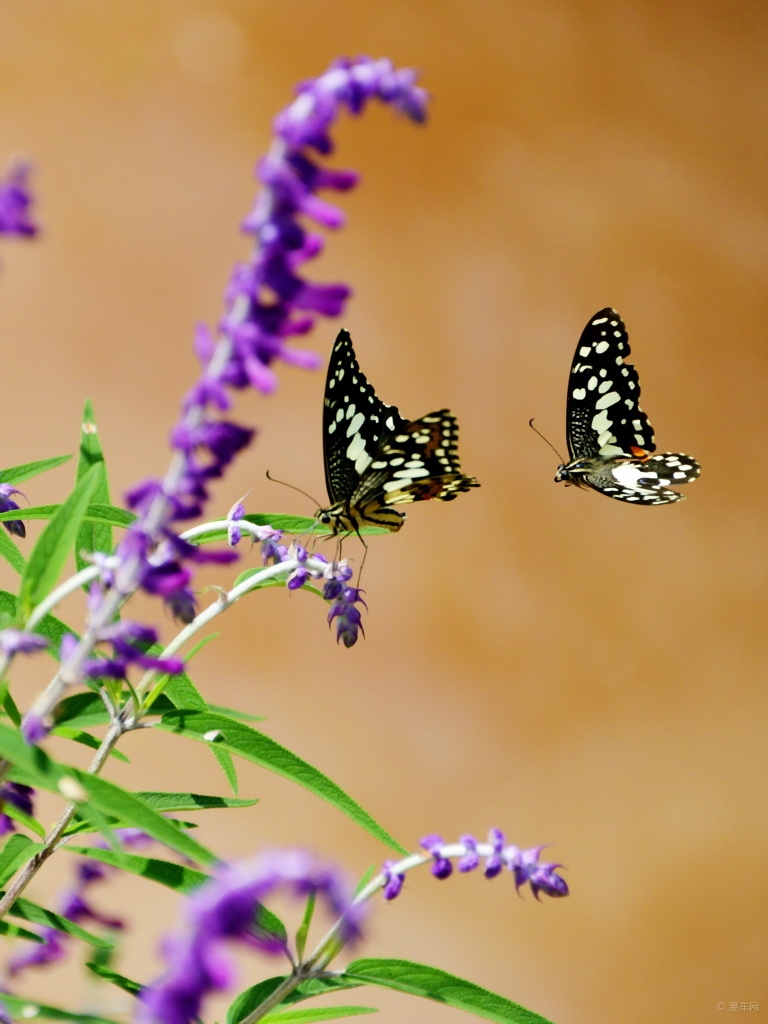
point(35, 727)
point(227, 908)
point(469, 852)
point(16, 201)
point(234, 533)
point(20, 797)
point(17, 641)
point(343, 609)
point(129, 642)
point(13, 526)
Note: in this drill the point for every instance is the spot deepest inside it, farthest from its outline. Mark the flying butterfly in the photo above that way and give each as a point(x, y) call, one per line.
point(610, 441)
point(375, 459)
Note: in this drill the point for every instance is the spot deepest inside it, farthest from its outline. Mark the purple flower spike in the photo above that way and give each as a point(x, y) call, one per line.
point(468, 853)
point(343, 605)
point(16, 201)
point(225, 909)
point(13, 526)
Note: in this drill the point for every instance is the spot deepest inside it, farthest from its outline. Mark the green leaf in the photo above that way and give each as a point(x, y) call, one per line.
point(174, 876)
point(16, 474)
point(92, 536)
point(102, 797)
point(15, 931)
point(54, 544)
point(317, 1013)
point(35, 914)
point(110, 515)
point(16, 851)
point(23, 819)
point(241, 739)
point(431, 983)
point(239, 716)
point(165, 802)
point(30, 1009)
point(11, 553)
point(133, 988)
point(87, 740)
point(247, 1001)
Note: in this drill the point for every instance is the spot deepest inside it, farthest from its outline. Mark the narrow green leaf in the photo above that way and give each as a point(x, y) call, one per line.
point(103, 797)
point(16, 474)
point(87, 740)
point(52, 549)
point(30, 1009)
point(133, 988)
point(15, 931)
point(431, 983)
point(112, 800)
point(254, 746)
point(174, 876)
point(303, 930)
point(96, 512)
point(166, 802)
point(24, 819)
point(35, 914)
point(11, 553)
point(247, 1001)
point(318, 1013)
point(16, 851)
point(92, 536)
point(239, 716)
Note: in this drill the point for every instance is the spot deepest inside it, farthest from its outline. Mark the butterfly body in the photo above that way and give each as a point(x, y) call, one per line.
point(610, 440)
point(374, 458)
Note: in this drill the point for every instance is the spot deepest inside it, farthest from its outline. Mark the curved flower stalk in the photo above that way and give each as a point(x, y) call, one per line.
point(268, 301)
point(227, 908)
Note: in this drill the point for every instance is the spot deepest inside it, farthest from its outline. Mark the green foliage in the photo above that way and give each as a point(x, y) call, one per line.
point(30, 1009)
point(93, 535)
point(133, 988)
point(35, 914)
point(16, 474)
point(441, 987)
point(55, 543)
point(318, 1013)
point(239, 738)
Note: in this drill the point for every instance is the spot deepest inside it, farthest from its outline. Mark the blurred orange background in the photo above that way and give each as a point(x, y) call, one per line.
point(571, 669)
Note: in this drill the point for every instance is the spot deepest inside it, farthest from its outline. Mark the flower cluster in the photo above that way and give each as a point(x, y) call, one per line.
point(468, 853)
point(16, 201)
point(343, 599)
point(20, 797)
point(227, 908)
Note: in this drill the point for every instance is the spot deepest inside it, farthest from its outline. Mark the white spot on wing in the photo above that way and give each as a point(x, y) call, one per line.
point(601, 347)
point(579, 393)
point(607, 400)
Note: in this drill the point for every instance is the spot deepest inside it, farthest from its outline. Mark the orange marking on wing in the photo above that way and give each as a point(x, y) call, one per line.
point(639, 453)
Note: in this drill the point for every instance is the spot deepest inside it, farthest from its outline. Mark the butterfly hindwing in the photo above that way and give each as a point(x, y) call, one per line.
point(374, 458)
point(610, 439)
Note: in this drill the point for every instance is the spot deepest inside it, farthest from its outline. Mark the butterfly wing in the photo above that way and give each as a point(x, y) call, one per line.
point(645, 481)
point(354, 421)
point(603, 415)
point(417, 462)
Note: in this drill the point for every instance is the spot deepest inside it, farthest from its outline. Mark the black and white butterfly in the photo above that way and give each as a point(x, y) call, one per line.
point(375, 459)
point(610, 440)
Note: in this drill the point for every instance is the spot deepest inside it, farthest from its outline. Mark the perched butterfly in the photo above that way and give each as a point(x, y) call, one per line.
point(375, 459)
point(610, 440)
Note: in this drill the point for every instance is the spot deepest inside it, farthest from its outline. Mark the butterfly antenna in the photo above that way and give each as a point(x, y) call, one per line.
point(546, 440)
point(274, 480)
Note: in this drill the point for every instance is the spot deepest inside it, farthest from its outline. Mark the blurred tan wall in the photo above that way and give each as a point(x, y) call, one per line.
point(571, 669)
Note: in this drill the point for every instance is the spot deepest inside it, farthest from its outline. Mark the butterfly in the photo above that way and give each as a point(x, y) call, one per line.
point(375, 459)
point(610, 440)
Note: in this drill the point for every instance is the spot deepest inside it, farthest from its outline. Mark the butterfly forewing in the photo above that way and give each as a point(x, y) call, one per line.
point(354, 421)
point(610, 439)
point(603, 412)
point(374, 458)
